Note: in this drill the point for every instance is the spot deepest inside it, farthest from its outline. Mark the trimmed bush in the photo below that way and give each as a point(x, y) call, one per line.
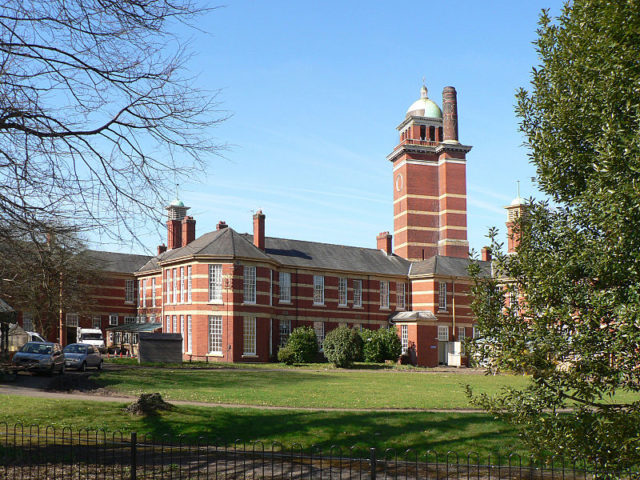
point(302, 344)
point(380, 345)
point(286, 355)
point(342, 346)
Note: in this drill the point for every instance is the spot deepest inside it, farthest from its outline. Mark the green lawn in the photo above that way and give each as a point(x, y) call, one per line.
point(442, 432)
point(329, 388)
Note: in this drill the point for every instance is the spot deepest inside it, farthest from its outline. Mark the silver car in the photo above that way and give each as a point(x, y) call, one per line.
point(80, 356)
point(40, 356)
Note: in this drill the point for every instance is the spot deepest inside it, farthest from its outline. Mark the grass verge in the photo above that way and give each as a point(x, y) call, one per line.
point(308, 388)
point(442, 432)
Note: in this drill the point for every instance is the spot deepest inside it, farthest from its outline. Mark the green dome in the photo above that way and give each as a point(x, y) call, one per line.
point(176, 203)
point(424, 106)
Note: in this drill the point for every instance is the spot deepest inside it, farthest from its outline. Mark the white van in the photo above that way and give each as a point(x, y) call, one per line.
point(91, 336)
point(35, 337)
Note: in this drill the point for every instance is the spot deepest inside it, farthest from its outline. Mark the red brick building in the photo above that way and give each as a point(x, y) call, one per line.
point(236, 297)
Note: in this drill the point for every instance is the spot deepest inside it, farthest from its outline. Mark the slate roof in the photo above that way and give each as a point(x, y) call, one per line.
point(313, 255)
point(302, 254)
point(7, 314)
point(117, 262)
point(225, 243)
point(447, 266)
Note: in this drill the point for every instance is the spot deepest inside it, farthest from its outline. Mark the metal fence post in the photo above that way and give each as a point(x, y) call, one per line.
point(373, 462)
point(134, 442)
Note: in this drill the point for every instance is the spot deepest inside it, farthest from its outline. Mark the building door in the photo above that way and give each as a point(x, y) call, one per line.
point(72, 335)
point(443, 344)
point(443, 353)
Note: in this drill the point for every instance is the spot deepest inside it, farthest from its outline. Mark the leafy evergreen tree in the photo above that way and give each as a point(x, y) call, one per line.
point(576, 272)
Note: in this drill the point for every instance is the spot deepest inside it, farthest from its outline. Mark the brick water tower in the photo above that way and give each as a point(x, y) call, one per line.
point(429, 181)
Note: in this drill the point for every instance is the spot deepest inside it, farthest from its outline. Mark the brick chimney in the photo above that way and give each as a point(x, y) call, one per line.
point(486, 254)
point(174, 234)
point(188, 230)
point(221, 224)
point(385, 242)
point(450, 115)
point(161, 249)
point(258, 229)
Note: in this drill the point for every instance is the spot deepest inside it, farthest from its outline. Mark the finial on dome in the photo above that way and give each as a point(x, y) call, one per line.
point(424, 93)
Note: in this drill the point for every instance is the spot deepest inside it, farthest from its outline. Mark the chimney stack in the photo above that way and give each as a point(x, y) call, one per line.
point(221, 224)
point(385, 242)
point(174, 234)
point(161, 249)
point(450, 115)
point(258, 229)
point(486, 254)
point(188, 230)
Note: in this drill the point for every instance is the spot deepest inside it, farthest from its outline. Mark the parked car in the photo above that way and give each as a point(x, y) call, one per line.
point(40, 356)
point(80, 356)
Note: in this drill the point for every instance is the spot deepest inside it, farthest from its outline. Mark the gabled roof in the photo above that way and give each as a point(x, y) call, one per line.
point(302, 254)
point(447, 266)
point(7, 313)
point(220, 243)
point(116, 262)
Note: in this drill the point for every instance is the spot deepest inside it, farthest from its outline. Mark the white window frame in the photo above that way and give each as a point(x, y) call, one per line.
point(357, 293)
point(462, 333)
point(342, 292)
point(96, 321)
point(128, 320)
point(72, 320)
point(144, 293)
point(404, 338)
point(189, 283)
point(168, 327)
point(285, 287)
point(318, 328)
point(443, 333)
point(384, 294)
point(113, 319)
point(153, 292)
point(189, 335)
point(129, 291)
point(401, 295)
point(174, 285)
point(184, 337)
point(270, 287)
point(174, 323)
point(215, 335)
point(182, 289)
point(318, 289)
point(442, 297)
point(215, 283)
point(285, 331)
point(249, 336)
point(27, 321)
point(249, 280)
point(168, 282)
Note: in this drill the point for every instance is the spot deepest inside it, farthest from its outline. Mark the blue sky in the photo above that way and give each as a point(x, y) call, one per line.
point(316, 90)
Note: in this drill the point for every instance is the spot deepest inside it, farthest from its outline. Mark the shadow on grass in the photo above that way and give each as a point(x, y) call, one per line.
point(461, 433)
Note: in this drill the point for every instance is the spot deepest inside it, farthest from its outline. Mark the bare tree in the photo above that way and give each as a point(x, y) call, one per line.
point(49, 273)
point(97, 114)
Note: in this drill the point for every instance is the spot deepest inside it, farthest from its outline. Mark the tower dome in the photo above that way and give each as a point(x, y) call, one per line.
point(424, 106)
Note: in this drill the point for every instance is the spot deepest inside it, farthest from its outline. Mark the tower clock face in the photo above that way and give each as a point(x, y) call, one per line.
point(399, 182)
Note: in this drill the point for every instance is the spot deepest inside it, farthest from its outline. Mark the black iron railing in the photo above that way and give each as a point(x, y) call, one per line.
point(33, 452)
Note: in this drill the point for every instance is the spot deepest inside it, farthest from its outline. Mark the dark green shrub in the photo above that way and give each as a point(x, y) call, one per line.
point(303, 345)
point(342, 346)
point(286, 355)
point(380, 345)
